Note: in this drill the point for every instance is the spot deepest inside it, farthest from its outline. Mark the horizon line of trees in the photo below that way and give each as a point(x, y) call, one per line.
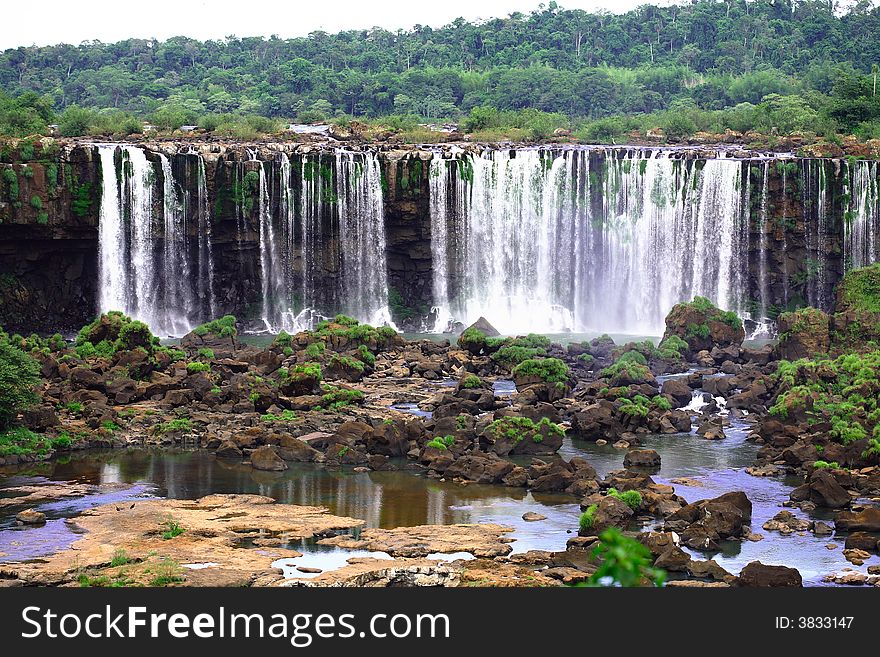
point(701, 59)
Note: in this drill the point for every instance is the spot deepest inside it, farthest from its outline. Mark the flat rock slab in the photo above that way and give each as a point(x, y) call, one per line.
point(480, 540)
point(221, 527)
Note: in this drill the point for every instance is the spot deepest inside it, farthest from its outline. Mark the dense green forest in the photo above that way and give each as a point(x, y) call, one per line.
point(769, 65)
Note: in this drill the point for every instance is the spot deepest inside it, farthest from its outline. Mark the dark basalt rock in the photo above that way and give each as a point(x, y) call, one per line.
point(759, 574)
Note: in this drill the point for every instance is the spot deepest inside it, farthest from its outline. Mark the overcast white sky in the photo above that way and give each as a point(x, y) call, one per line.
point(46, 22)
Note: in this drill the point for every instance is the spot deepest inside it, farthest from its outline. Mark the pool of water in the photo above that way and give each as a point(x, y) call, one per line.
point(407, 498)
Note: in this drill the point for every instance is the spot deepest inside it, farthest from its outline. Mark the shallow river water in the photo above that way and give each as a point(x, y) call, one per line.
point(405, 498)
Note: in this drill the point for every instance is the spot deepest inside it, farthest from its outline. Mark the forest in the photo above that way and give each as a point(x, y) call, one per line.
point(775, 66)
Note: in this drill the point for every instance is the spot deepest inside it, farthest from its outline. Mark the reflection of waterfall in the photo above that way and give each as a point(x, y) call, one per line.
point(862, 217)
point(146, 256)
point(567, 240)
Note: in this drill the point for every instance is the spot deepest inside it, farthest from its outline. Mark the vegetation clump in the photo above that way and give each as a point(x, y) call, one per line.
point(842, 394)
point(223, 327)
point(517, 429)
point(19, 377)
point(442, 443)
point(548, 370)
point(335, 398)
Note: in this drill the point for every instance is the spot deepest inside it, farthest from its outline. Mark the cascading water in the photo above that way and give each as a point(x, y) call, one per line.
point(206, 255)
point(861, 235)
point(271, 262)
point(361, 221)
point(145, 260)
point(179, 297)
point(562, 240)
point(337, 214)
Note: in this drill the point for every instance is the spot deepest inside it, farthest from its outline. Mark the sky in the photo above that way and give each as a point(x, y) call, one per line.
point(49, 22)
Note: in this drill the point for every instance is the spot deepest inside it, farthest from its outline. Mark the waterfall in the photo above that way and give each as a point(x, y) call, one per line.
point(111, 238)
point(179, 298)
point(271, 261)
point(361, 222)
point(814, 190)
point(206, 256)
point(862, 217)
point(438, 183)
point(145, 260)
point(571, 240)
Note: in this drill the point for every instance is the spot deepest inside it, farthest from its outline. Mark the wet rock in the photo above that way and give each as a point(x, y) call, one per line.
point(596, 421)
point(855, 556)
point(802, 334)
point(228, 450)
point(294, 449)
point(861, 541)
point(610, 512)
point(708, 569)
point(487, 540)
point(641, 458)
point(758, 574)
point(786, 523)
point(678, 389)
point(480, 467)
point(30, 517)
point(531, 516)
point(867, 520)
point(826, 492)
point(266, 458)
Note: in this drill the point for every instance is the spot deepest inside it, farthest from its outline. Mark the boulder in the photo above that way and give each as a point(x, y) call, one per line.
point(678, 389)
point(30, 517)
point(40, 418)
point(703, 326)
point(826, 492)
point(266, 458)
point(861, 541)
point(867, 520)
point(641, 458)
point(228, 450)
point(294, 449)
point(482, 324)
point(759, 574)
point(480, 468)
point(596, 422)
point(803, 334)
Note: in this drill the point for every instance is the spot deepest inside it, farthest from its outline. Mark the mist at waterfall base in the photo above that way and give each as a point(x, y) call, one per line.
point(563, 241)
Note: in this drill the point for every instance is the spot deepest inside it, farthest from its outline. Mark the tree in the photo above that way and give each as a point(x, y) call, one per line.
point(19, 375)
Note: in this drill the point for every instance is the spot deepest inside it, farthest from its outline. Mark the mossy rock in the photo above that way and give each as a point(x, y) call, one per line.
point(803, 333)
point(856, 319)
point(703, 325)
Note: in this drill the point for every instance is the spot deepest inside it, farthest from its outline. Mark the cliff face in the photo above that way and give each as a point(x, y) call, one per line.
point(234, 201)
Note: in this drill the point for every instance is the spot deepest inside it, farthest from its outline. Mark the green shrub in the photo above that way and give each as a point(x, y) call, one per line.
point(632, 498)
point(316, 350)
point(335, 398)
point(549, 370)
point(197, 366)
point(822, 465)
point(624, 562)
point(587, 518)
point(173, 529)
point(286, 416)
point(223, 327)
point(518, 428)
point(178, 424)
point(470, 381)
point(18, 441)
point(19, 376)
point(205, 352)
point(441, 442)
